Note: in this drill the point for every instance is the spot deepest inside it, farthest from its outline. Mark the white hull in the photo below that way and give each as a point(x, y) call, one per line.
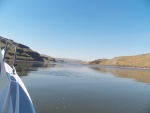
point(14, 97)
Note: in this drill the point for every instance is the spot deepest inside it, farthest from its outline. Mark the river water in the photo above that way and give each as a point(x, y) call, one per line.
point(66, 88)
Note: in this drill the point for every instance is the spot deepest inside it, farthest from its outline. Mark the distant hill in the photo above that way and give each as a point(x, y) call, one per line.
point(141, 61)
point(47, 58)
point(71, 61)
point(24, 53)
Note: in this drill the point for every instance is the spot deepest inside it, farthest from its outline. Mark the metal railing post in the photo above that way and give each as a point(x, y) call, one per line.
point(15, 52)
point(6, 48)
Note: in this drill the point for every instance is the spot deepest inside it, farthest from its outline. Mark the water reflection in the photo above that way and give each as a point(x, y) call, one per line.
point(63, 88)
point(23, 68)
point(139, 75)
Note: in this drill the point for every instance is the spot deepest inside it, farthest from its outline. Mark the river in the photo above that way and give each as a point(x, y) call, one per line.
point(68, 88)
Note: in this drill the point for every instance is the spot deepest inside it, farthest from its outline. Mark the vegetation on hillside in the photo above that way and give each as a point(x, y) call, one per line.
point(24, 53)
point(141, 61)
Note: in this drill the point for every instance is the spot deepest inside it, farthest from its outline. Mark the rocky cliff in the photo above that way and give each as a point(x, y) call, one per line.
point(25, 53)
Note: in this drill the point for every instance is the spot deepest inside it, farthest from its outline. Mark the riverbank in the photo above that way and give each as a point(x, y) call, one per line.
point(24, 53)
point(137, 61)
point(125, 67)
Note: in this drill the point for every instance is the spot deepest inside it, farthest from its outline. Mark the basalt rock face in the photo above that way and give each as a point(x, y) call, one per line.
point(24, 53)
point(23, 46)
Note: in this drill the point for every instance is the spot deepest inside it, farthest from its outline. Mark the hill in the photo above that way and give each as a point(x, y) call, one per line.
point(141, 61)
point(24, 52)
point(70, 61)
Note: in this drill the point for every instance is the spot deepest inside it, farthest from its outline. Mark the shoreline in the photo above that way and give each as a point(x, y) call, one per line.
point(93, 65)
point(126, 67)
point(25, 61)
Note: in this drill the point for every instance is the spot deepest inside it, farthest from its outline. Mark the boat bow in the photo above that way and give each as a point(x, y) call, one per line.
point(14, 97)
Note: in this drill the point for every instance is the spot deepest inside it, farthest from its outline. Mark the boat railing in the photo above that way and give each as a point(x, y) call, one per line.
point(7, 42)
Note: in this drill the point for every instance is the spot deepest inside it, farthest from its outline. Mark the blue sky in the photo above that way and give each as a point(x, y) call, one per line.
point(78, 29)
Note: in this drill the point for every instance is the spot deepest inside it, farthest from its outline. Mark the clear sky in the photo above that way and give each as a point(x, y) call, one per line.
point(78, 29)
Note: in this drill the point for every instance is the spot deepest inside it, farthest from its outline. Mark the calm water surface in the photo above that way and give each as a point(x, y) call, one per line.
point(58, 88)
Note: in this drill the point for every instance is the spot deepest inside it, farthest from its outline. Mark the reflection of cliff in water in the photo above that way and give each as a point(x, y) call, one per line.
point(139, 75)
point(23, 68)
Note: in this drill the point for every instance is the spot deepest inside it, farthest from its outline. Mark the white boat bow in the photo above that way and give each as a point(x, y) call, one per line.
point(14, 97)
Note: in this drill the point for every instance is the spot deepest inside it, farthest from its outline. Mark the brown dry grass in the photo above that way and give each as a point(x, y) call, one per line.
point(126, 61)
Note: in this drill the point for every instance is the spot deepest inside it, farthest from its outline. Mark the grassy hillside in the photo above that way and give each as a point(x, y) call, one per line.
point(142, 60)
point(24, 53)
